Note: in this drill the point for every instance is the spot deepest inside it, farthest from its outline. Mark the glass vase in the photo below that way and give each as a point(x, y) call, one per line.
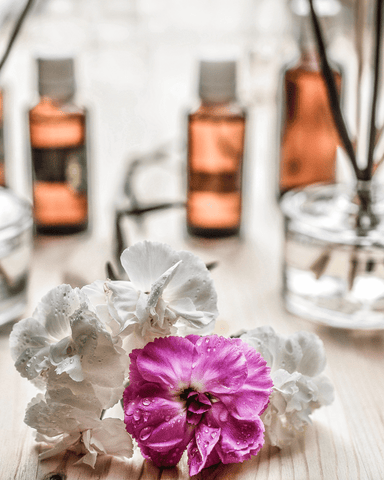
point(333, 269)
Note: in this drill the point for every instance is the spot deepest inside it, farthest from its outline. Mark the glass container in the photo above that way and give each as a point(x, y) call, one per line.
point(333, 270)
point(15, 254)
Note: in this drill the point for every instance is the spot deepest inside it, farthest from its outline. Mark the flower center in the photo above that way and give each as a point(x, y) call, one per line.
point(197, 404)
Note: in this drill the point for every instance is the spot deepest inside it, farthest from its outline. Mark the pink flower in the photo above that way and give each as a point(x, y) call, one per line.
point(201, 393)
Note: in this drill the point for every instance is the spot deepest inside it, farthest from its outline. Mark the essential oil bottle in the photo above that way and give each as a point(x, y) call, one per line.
point(309, 138)
point(216, 134)
point(57, 128)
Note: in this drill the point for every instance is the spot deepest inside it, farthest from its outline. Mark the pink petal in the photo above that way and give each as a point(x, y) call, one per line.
point(252, 398)
point(203, 442)
point(219, 365)
point(167, 361)
point(239, 439)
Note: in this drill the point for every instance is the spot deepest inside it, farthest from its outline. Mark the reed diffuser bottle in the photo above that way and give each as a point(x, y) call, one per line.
point(309, 138)
point(216, 132)
point(58, 146)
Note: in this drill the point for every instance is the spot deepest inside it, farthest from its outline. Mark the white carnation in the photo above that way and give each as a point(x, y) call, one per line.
point(168, 292)
point(297, 362)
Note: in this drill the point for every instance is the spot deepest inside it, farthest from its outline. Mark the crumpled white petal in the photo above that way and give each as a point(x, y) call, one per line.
point(297, 362)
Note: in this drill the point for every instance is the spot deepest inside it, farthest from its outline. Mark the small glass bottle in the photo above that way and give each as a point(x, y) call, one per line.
point(58, 146)
point(309, 138)
point(216, 132)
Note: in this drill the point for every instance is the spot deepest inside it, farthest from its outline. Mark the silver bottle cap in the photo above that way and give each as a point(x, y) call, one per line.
point(217, 80)
point(56, 77)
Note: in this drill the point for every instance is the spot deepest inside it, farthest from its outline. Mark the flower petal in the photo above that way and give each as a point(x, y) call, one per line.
point(313, 359)
point(167, 361)
point(252, 398)
point(239, 439)
point(193, 280)
point(219, 365)
point(146, 261)
point(199, 449)
point(158, 424)
point(122, 300)
point(55, 308)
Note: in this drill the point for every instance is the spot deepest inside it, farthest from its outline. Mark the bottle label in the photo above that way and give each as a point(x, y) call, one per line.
point(61, 165)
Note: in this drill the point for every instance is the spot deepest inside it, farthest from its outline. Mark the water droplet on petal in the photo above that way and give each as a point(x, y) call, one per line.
point(146, 402)
point(136, 415)
point(145, 433)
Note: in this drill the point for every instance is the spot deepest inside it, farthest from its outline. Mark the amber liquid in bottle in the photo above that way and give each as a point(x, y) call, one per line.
point(2, 161)
point(58, 147)
point(215, 159)
point(309, 136)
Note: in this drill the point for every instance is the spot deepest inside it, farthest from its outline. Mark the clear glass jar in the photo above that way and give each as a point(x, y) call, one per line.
point(15, 254)
point(334, 255)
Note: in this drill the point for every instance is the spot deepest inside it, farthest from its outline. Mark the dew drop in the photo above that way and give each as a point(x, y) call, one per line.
point(136, 415)
point(146, 402)
point(145, 433)
point(167, 418)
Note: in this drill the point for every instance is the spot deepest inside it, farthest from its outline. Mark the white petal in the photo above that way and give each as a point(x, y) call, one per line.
point(122, 300)
point(193, 280)
point(95, 293)
point(266, 342)
point(56, 307)
point(63, 445)
point(72, 366)
point(112, 437)
point(313, 354)
point(146, 261)
point(27, 333)
point(159, 285)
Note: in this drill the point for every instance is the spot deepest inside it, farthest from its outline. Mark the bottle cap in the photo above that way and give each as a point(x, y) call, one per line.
point(217, 80)
point(56, 77)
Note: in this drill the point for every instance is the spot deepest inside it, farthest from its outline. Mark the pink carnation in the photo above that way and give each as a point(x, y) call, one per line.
point(201, 393)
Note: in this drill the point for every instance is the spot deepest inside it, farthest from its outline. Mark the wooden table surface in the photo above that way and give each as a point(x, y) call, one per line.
point(346, 440)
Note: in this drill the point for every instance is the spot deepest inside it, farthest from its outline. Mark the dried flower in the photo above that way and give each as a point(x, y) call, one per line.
point(201, 393)
point(168, 292)
point(296, 363)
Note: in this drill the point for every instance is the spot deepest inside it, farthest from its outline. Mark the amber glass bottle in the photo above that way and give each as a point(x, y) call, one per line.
point(58, 146)
point(216, 132)
point(309, 137)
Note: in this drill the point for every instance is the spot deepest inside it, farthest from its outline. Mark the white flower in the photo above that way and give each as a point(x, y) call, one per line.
point(64, 426)
point(296, 363)
point(167, 292)
point(64, 341)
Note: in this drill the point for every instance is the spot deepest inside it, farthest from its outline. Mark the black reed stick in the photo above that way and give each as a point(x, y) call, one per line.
point(372, 132)
point(333, 94)
point(15, 32)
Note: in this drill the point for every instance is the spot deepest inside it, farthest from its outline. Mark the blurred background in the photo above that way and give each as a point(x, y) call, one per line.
point(137, 73)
